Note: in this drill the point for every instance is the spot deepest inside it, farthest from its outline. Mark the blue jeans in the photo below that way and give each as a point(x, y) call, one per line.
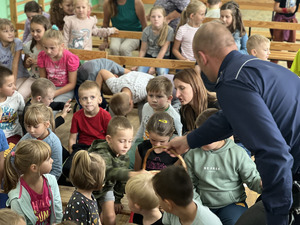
point(159, 71)
point(231, 213)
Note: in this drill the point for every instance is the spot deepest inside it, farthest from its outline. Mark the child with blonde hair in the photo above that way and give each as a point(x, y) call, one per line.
point(8, 216)
point(143, 200)
point(10, 57)
point(191, 19)
point(156, 40)
point(58, 65)
point(82, 206)
point(32, 192)
point(79, 28)
point(258, 46)
point(39, 124)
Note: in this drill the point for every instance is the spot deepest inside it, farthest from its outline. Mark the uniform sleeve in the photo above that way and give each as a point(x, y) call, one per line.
point(244, 40)
point(72, 62)
point(179, 34)
point(41, 59)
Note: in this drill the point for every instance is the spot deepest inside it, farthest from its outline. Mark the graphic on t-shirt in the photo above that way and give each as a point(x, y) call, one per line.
point(155, 164)
point(8, 119)
point(5, 60)
point(79, 38)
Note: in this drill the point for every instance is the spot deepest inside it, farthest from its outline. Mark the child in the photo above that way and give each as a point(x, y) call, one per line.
point(79, 28)
point(160, 129)
point(82, 206)
point(191, 19)
point(10, 57)
point(156, 40)
point(232, 17)
point(58, 10)
point(32, 9)
point(174, 189)
point(38, 26)
point(113, 151)
point(143, 200)
point(39, 123)
point(90, 122)
point(58, 65)
point(127, 89)
point(8, 216)
point(12, 105)
point(213, 10)
point(258, 46)
point(34, 194)
point(159, 96)
point(218, 171)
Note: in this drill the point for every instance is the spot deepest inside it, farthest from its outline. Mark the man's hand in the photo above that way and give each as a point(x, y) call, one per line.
point(178, 144)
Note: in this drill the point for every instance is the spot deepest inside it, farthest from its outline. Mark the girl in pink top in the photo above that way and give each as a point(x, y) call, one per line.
point(58, 65)
point(79, 28)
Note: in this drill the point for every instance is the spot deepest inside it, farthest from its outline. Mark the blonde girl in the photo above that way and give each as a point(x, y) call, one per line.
point(58, 65)
point(10, 57)
point(58, 10)
point(32, 192)
point(31, 9)
point(79, 28)
point(38, 26)
point(8, 216)
point(232, 18)
point(39, 124)
point(191, 19)
point(156, 40)
point(82, 205)
point(160, 128)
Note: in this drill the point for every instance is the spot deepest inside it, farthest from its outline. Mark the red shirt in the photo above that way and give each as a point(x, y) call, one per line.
point(90, 128)
point(40, 203)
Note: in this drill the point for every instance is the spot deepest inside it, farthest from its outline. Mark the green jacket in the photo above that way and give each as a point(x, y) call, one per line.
point(117, 172)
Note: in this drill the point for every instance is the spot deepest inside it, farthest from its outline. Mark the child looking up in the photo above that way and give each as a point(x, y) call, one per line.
point(58, 65)
point(79, 28)
point(10, 57)
point(218, 171)
point(177, 200)
point(38, 26)
point(160, 129)
point(232, 17)
point(39, 124)
point(191, 19)
point(258, 46)
point(213, 9)
point(34, 194)
point(156, 40)
point(8, 216)
point(143, 200)
point(58, 10)
point(113, 151)
point(82, 206)
point(31, 9)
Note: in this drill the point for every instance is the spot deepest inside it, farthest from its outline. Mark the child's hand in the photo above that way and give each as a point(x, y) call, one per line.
point(135, 68)
point(151, 70)
point(118, 208)
point(67, 108)
point(116, 31)
point(29, 61)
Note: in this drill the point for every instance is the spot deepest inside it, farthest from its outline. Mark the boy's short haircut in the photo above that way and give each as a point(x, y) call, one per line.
point(4, 72)
point(204, 116)
point(117, 123)
point(160, 84)
point(213, 2)
point(88, 85)
point(173, 183)
point(120, 104)
point(140, 191)
point(255, 40)
point(41, 86)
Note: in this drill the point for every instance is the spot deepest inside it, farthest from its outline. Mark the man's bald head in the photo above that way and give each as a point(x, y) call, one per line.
point(212, 38)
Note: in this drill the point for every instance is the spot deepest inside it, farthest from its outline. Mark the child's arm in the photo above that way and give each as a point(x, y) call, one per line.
point(66, 109)
point(138, 160)
point(42, 72)
point(66, 31)
point(140, 12)
point(16, 63)
point(176, 51)
point(69, 86)
point(102, 76)
point(243, 48)
point(72, 141)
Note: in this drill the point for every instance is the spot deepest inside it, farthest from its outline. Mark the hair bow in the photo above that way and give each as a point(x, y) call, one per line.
point(54, 27)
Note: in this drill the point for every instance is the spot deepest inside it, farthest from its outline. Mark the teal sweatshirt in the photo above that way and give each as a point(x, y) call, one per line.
point(218, 175)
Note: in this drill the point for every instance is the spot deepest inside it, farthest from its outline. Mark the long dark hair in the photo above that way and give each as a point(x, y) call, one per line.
point(42, 20)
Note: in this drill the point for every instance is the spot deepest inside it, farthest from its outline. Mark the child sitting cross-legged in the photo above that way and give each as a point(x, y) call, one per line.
point(82, 206)
point(174, 189)
point(218, 171)
point(258, 46)
point(143, 200)
point(113, 151)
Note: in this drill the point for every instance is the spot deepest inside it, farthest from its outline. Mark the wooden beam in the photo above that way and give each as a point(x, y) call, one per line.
point(288, 46)
point(88, 55)
point(283, 56)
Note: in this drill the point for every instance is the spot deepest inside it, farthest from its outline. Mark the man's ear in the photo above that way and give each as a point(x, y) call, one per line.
point(253, 52)
point(203, 57)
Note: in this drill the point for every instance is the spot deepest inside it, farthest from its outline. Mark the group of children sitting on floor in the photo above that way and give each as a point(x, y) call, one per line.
point(101, 146)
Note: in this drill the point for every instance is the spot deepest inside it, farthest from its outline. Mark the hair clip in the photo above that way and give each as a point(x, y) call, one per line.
point(54, 27)
point(163, 121)
point(12, 153)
